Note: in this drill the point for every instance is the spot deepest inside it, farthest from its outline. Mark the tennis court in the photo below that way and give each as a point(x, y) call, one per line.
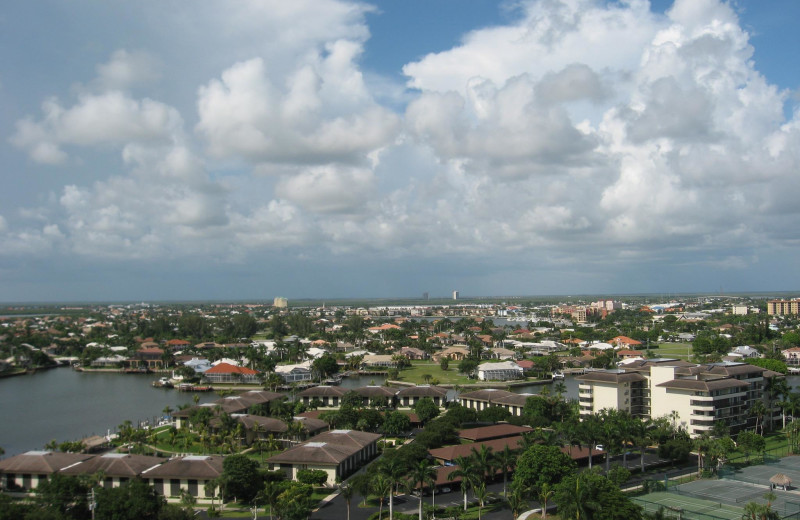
point(688, 507)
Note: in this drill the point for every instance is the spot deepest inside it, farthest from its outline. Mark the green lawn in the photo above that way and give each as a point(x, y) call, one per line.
point(674, 350)
point(415, 373)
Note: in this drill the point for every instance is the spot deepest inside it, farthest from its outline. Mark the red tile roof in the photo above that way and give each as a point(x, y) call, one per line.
point(227, 368)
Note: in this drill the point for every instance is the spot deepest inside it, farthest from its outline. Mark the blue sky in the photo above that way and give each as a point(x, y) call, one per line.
point(330, 148)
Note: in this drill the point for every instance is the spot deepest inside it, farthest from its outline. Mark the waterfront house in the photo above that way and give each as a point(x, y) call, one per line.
point(503, 371)
point(378, 361)
point(328, 396)
point(413, 353)
point(294, 373)
point(338, 453)
point(227, 373)
point(792, 356)
point(150, 357)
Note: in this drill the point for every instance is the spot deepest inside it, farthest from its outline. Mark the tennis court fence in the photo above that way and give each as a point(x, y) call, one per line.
point(681, 513)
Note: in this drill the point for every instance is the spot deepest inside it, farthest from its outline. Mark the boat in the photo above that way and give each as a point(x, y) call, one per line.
point(558, 375)
point(164, 382)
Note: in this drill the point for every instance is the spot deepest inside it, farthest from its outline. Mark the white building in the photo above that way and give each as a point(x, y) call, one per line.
point(503, 371)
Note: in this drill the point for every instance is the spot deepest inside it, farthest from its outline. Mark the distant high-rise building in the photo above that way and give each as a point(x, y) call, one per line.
point(783, 307)
point(425, 296)
point(280, 302)
point(455, 295)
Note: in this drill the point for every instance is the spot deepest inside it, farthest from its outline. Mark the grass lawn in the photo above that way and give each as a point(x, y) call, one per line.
point(415, 373)
point(674, 350)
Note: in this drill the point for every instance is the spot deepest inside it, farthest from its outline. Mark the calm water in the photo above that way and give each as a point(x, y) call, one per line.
point(66, 405)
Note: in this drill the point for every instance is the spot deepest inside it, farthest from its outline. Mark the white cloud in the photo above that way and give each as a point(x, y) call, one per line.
point(326, 189)
point(127, 69)
point(108, 118)
point(323, 114)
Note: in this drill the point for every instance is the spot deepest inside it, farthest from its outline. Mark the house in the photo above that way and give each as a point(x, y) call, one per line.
point(378, 361)
point(410, 396)
point(151, 357)
point(178, 344)
point(109, 361)
point(452, 353)
point(792, 356)
point(328, 396)
point(190, 473)
point(744, 352)
point(503, 371)
point(227, 373)
point(630, 354)
point(294, 373)
point(338, 453)
point(625, 342)
point(413, 353)
point(501, 353)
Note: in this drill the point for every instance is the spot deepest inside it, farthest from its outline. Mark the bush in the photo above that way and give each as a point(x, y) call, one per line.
point(312, 477)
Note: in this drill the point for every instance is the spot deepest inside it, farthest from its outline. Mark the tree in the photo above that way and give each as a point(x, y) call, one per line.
point(394, 471)
point(347, 493)
point(242, 477)
point(133, 500)
point(467, 366)
point(482, 494)
point(468, 473)
point(312, 477)
point(505, 460)
point(396, 423)
point(545, 493)
point(444, 364)
point(65, 495)
point(381, 486)
point(423, 474)
point(295, 502)
point(484, 461)
point(516, 502)
point(426, 409)
point(750, 442)
point(589, 496)
point(542, 464)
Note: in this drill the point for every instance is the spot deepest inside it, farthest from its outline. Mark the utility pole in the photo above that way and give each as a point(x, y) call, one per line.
point(92, 503)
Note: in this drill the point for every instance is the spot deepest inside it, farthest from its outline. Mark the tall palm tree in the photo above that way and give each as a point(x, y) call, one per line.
point(468, 472)
point(640, 430)
point(758, 410)
point(590, 430)
point(347, 493)
point(580, 504)
point(482, 495)
point(484, 461)
point(395, 472)
point(381, 486)
point(423, 473)
point(505, 460)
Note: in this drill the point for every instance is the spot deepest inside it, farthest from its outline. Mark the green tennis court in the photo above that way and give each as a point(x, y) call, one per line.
point(688, 507)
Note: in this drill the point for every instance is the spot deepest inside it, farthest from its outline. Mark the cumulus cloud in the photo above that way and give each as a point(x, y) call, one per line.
point(323, 112)
point(107, 118)
point(128, 69)
point(582, 133)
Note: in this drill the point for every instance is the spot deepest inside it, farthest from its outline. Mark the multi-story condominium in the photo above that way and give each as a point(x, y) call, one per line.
point(783, 307)
point(696, 396)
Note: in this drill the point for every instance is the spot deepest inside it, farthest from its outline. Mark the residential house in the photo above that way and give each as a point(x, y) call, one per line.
point(190, 474)
point(228, 373)
point(502, 371)
point(23, 473)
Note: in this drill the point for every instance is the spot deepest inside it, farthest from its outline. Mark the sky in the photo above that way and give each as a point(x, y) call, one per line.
point(247, 149)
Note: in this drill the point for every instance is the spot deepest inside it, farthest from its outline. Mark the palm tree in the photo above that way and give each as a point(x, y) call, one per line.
point(505, 461)
point(590, 430)
point(347, 493)
point(516, 502)
point(545, 493)
point(270, 494)
point(468, 472)
point(580, 503)
point(758, 410)
point(640, 430)
point(381, 486)
point(395, 472)
point(484, 461)
point(482, 495)
point(423, 473)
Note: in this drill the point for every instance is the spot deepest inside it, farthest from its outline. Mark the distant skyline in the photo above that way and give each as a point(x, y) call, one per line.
point(213, 150)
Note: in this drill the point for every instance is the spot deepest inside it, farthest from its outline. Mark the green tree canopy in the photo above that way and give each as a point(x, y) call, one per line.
point(133, 500)
point(541, 464)
point(426, 409)
point(241, 476)
point(589, 496)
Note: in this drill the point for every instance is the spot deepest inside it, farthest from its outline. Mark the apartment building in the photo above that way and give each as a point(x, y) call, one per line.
point(783, 307)
point(698, 396)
